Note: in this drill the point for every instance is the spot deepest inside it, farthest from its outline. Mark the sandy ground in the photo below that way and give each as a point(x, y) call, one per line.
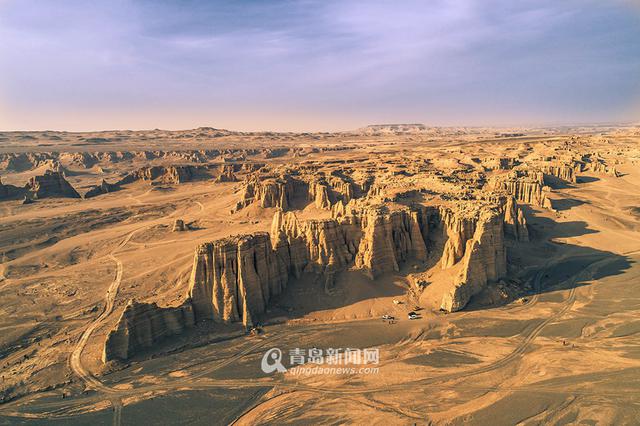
point(569, 353)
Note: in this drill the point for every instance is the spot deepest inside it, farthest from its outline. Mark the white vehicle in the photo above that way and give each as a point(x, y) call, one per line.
point(396, 302)
point(413, 315)
point(387, 317)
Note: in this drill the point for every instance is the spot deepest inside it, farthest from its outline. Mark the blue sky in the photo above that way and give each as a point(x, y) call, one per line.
point(316, 64)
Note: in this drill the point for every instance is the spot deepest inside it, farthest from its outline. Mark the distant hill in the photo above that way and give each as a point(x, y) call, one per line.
point(393, 129)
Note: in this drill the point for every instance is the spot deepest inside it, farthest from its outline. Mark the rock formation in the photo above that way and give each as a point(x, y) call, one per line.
point(104, 188)
point(10, 192)
point(142, 325)
point(515, 224)
point(281, 191)
point(484, 260)
point(276, 192)
point(179, 226)
point(169, 174)
point(563, 171)
point(51, 184)
point(233, 279)
point(527, 188)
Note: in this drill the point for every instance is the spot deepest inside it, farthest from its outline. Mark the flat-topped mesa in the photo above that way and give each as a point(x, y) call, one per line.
point(234, 278)
point(484, 260)
point(143, 325)
point(51, 184)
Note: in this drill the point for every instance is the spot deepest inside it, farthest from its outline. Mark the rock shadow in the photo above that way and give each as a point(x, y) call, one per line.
point(573, 259)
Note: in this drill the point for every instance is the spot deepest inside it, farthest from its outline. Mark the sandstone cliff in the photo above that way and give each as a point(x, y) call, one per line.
point(233, 279)
point(528, 188)
point(142, 325)
point(484, 260)
point(563, 171)
point(515, 224)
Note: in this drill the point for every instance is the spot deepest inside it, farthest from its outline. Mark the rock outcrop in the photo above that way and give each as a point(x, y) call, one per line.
point(528, 188)
point(515, 223)
point(565, 172)
point(281, 191)
point(276, 192)
point(179, 226)
point(484, 260)
point(598, 166)
point(51, 184)
point(169, 174)
point(104, 188)
point(143, 325)
point(234, 278)
point(11, 192)
point(389, 238)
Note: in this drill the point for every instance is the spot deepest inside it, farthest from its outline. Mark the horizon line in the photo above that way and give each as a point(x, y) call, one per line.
point(428, 126)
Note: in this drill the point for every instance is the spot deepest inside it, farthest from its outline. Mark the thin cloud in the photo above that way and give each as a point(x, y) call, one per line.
point(301, 64)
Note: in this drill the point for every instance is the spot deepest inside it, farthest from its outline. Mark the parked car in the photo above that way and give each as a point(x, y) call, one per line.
point(387, 317)
point(413, 315)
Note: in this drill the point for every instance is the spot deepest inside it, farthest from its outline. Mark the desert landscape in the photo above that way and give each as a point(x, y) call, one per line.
point(320, 212)
point(146, 274)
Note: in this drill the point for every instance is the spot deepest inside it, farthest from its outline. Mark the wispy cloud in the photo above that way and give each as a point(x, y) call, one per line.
point(316, 63)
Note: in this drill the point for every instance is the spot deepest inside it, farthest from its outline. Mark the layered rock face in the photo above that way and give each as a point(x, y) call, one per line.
point(389, 238)
point(270, 193)
point(321, 246)
point(600, 167)
point(515, 223)
point(566, 172)
point(528, 188)
point(484, 260)
point(281, 191)
point(142, 325)
point(233, 279)
point(51, 184)
point(459, 230)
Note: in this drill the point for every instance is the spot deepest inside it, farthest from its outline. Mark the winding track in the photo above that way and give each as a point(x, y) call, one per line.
point(75, 361)
point(114, 395)
point(442, 381)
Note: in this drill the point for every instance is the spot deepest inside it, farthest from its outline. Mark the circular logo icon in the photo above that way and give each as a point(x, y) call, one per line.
point(272, 361)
